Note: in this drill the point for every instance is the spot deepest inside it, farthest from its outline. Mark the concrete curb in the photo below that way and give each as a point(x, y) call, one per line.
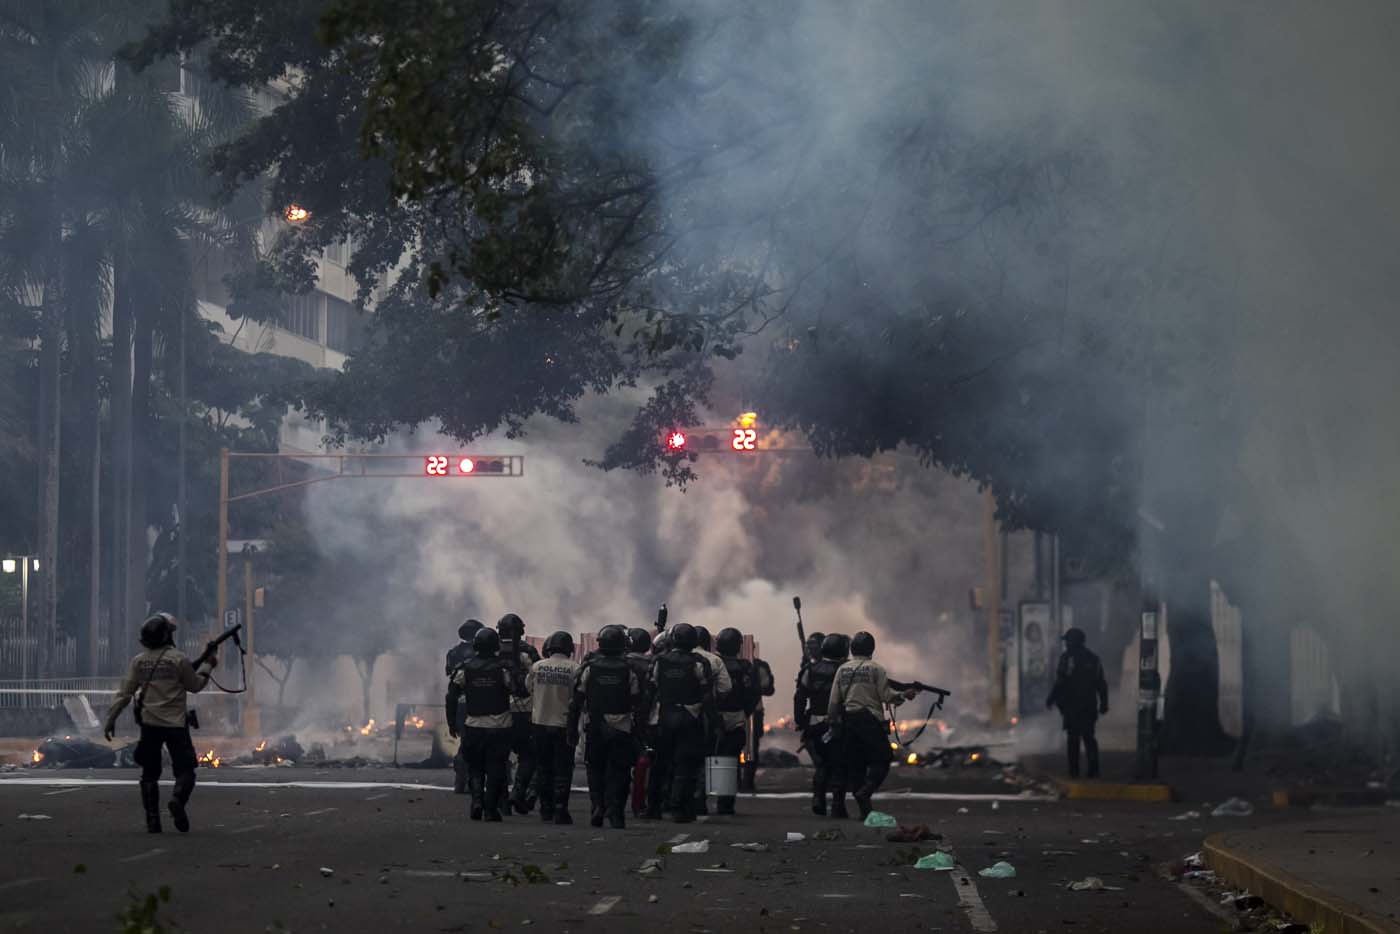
point(1285, 892)
point(1112, 791)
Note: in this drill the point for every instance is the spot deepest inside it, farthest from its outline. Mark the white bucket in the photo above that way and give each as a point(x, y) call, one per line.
point(722, 776)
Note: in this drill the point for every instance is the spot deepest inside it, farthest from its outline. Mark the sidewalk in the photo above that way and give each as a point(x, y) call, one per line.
point(1179, 778)
point(1341, 873)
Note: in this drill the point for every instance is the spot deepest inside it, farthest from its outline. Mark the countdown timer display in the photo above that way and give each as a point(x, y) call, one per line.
point(465, 465)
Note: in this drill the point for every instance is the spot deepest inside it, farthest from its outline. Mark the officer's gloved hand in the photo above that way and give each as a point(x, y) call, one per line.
point(571, 738)
point(452, 730)
point(109, 730)
point(1103, 709)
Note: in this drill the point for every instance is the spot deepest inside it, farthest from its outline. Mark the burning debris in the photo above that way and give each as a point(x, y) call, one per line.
point(72, 752)
point(210, 759)
point(36, 757)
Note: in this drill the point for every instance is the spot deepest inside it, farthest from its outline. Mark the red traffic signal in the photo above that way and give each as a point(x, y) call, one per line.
point(675, 441)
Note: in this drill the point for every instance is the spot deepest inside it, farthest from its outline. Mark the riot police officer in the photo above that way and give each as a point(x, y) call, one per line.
point(809, 706)
point(607, 691)
point(767, 687)
point(639, 648)
point(1079, 683)
point(858, 698)
point(159, 679)
point(463, 649)
point(551, 686)
point(735, 706)
point(485, 686)
point(684, 698)
point(456, 657)
point(519, 655)
point(703, 647)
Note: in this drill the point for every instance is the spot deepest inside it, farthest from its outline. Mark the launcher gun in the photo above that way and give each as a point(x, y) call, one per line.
point(920, 686)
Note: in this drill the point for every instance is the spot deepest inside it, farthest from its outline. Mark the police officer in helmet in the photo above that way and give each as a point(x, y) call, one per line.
point(639, 647)
point(456, 656)
point(858, 698)
point(684, 698)
point(704, 644)
point(1081, 693)
point(518, 655)
point(809, 705)
point(607, 693)
point(735, 706)
point(486, 687)
point(551, 687)
point(159, 679)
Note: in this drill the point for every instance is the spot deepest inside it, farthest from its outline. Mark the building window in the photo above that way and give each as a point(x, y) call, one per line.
point(303, 316)
point(340, 317)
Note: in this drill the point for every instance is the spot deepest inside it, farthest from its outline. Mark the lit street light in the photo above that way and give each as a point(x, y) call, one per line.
point(24, 564)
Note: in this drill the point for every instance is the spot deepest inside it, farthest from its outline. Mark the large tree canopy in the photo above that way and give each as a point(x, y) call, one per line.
point(564, 198)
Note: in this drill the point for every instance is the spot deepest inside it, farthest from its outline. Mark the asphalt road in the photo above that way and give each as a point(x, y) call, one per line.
point(407, 858)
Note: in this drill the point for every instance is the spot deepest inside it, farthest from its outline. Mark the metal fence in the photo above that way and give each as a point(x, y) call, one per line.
point(19, 649)
point(34, 693)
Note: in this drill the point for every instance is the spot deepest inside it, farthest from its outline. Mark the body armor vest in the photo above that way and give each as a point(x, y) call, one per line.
point(677, 683)
point(485, 687)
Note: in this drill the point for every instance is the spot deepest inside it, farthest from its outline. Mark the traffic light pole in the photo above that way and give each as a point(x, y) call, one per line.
point(507, 465)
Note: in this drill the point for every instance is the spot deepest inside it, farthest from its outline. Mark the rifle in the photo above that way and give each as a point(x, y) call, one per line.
point(920, 686)
point(211, 648)
point(661, 616)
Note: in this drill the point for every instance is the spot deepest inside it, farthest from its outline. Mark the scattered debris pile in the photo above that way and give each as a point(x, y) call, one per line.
point(73, 752)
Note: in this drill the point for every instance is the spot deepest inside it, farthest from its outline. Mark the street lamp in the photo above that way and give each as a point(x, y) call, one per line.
point(296, 214)
point(23, 564)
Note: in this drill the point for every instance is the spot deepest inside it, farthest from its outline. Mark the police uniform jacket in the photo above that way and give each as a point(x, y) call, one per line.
point(171, 676)
point(551, 686)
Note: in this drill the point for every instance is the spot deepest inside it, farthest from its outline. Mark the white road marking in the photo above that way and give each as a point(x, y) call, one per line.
point(428, 873)
point(146, 855)
point(63, 791)
point(378, 796)
point(678, 838)
point(605, 905)
point(319, 811)
point(249, 829)
point(19, 882)
point(971, 902)
point(413, 786)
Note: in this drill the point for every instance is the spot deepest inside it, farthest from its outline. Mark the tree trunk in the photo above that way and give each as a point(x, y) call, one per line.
point(121, 632)
point(50, 367)
point(365, 667)
point(88, 409)
point(137, 546)
point(1191, 720)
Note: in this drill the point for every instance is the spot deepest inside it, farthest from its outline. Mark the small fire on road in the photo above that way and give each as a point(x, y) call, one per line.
point(210, 759)
point(36, 757)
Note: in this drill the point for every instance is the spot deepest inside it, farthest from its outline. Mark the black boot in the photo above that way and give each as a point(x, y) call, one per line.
point(184, 787)
point(596, 810)
point(863, 801)
point(561, 804)
point(724, 804)
point(547, 804)
point(838, 804)
point(1091, 752)
point(477, 784)
point(819, 791)
point(150, 800)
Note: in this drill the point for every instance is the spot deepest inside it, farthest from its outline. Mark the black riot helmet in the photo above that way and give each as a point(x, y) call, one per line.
point(638, 640)
point(158, 631)
point(561, 643)
point(684, 638)
point(863, 644)
point(511, 626)
point(661, 644)
point(702, 638)
point(487, 642)
point(467, 631)
point(814, 644)
point(834, 647)
point(1074, 637)
point(729, 642)
point(612, 639)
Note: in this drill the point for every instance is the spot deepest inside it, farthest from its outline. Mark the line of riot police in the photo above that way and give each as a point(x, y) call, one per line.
point(648, 711)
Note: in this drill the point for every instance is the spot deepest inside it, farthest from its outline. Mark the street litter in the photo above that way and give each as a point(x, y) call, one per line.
point(653, 899)
point(939, 861)
point(1243, 902)
point(913, 834)
point(696, 846)
point(649, 867)
point(1093, 884)
point(880, 819)
point(1189, 815)
point(998, 870)
point(751, 847)
point(794, 837)
point(1234, 807)
point(996, 805)
point(483, 877)
point(35, 817)
point(831, 834)
point(962, 810)
point(714, 869)
point(327, 871)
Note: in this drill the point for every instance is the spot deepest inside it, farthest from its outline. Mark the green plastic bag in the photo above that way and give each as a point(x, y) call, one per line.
point(939, 861)
point(1002, 870)
point(879, 819)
